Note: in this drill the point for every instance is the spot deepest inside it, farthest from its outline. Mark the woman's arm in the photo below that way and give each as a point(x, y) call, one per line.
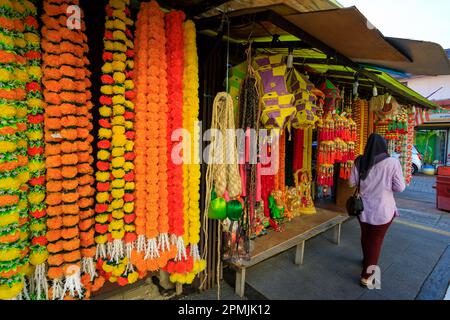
point(398, 181)
point(353, 181)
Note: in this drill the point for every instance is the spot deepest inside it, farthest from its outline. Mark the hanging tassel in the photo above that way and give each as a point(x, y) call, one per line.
point(88, 267)
point(116, 252)
point(23, 295)
point(128, 249)
point(181, 249)
point(141, 243)
point(195, 253)
point(163, 242)
point(73, 285)
point(100, 252)
point(38, 282)
point(109, 249)
point(152, 249)
point(57, 289)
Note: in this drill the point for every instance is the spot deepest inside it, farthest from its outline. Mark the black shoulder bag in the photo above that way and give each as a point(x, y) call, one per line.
point(355, 205)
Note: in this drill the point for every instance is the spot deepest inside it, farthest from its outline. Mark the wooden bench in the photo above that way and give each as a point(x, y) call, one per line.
point(295, 234)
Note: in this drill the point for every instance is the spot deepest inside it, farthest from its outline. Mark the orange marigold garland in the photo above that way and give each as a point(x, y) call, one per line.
point(140, 101)
point(140, 80)
point(68, 162)
point(166, 251)
point(85, 168)
point(155, 35)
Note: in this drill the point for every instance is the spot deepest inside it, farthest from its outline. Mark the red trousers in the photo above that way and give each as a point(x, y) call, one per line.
point(371, 241)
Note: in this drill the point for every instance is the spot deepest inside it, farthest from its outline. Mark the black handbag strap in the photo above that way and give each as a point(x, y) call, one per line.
point(358, 187)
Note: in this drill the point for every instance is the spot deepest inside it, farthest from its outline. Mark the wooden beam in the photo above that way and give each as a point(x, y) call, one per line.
point(214, 23)
point(281, 45)
point(204, 7)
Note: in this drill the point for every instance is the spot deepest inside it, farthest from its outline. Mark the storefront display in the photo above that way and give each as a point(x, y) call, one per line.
point(101, 157)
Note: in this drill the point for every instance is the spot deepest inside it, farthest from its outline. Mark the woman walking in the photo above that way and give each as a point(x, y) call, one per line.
point(380, 176)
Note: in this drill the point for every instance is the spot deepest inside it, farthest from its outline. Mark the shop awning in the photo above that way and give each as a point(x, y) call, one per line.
point(368, 54)
point(349, 32)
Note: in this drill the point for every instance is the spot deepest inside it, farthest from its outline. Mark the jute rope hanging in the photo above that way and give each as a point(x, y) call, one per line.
point(222, 172)
point(226, 171)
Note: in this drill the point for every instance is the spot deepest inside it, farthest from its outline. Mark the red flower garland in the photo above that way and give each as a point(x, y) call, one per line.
point(175, 67)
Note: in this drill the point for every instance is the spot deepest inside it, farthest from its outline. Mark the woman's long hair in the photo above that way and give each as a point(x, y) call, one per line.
point(376, 151)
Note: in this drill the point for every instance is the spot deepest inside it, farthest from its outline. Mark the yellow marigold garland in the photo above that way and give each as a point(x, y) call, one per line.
point(36, 165)
point(119, 155)
point(191, 169)
point(14, 171)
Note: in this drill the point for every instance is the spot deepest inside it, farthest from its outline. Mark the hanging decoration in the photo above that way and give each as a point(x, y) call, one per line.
point(360, 115)
point(68, 161)
point(332, 95)
point(141, 83)
point(15, 225)
point(236, 78)
point(175, 64)
point(35, 134)
point(115, 179)
point(304, 99)
point(299, 198)
point(278, 109)
point(191, 166)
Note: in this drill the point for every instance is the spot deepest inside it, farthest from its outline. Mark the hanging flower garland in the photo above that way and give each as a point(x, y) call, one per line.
point(152, 202)
point(67, 136)
point(86, 171)
point(140, 81)
point(191, 170)
point(166, 251)
point(118, 157)
point(36, 165)
point(175, 64)
point(14, 173)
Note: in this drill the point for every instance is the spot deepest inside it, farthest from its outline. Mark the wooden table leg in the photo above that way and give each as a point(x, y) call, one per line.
point(337, 234)
point(299, 253)
point(240, 282)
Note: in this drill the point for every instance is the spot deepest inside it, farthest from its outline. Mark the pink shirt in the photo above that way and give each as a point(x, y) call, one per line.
point(377, 191)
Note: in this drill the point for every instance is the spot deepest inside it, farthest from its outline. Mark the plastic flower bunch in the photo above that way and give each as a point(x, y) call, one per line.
point(14, 175)
point(35, 134)
point(67, 126)
point(116, 214)
point(175, 62)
